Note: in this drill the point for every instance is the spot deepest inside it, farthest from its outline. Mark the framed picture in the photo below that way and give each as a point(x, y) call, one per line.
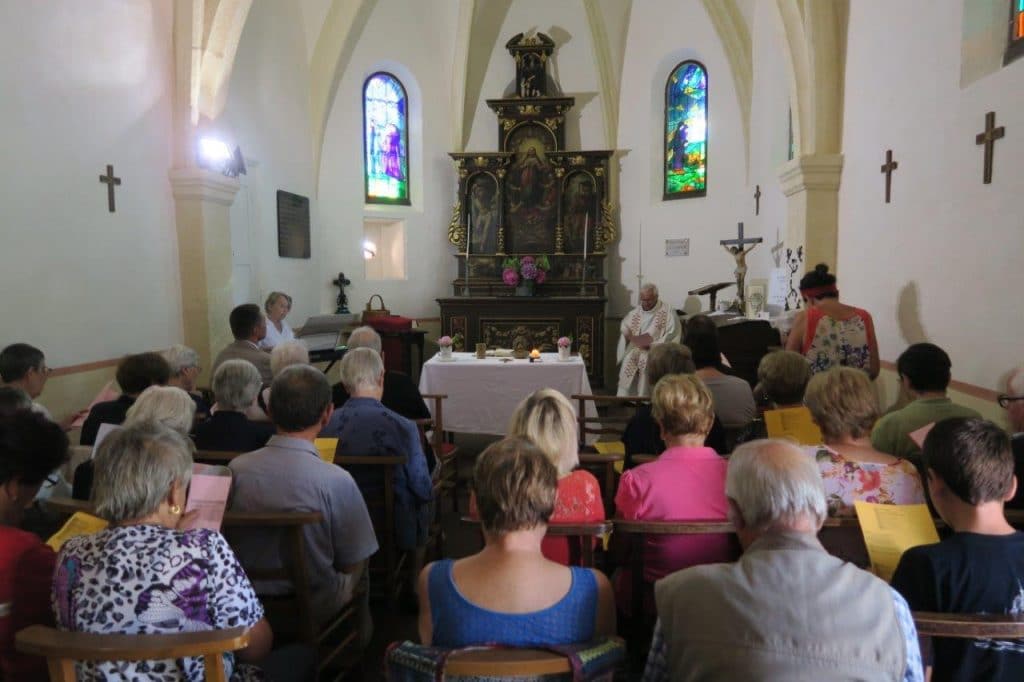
point(756, 299)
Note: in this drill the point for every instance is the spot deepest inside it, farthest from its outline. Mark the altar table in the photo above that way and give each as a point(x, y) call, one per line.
point(483, 394)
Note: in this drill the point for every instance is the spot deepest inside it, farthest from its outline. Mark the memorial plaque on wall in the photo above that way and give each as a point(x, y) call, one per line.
point(292, 225)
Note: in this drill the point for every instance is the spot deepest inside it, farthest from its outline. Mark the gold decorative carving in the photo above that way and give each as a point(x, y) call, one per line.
point(559, 171)
point(599, 171)
point(463, 173)
point(577, 161)
point(501, 240)
point(458, 333)
point(607, 225)
point(559, 239)
point(500, 172)
point(552, 123)
point(529, 109)
point(507, 124)
point(480, 162)
point(512, 333)
point(585, 338)
point(455, 226)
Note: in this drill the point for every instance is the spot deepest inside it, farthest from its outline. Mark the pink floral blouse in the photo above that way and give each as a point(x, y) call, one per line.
point(846, 481)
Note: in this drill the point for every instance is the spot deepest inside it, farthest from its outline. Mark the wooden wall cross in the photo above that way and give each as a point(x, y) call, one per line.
point(110, 181)
point(988, 138)
point(888, 167)
point(757, 200)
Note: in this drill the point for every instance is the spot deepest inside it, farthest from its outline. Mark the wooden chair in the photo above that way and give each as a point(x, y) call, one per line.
point(222, 457)
point(387, 564)
point(643, 459)
point(63, 507)
point(63, 649)
point(969, 625)
point(603, 466)
point(506, 663)
point(291, 615)
point(582, 537)
point(444, 449)
point(608, 424)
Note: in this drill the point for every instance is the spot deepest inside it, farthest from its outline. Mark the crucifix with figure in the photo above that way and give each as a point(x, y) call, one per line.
point(736, 250)
point(888, 167)
point(988, 138)
point(110, 181)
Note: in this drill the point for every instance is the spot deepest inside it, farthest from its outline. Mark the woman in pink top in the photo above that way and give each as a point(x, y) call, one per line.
point(843, 405)
point(686, 483)
point(547, 419)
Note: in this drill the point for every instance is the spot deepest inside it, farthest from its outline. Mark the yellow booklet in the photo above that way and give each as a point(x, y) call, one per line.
point(794, 423)
point(80, 523)
point(616, 447)
point(891, 529)
point(327, 447)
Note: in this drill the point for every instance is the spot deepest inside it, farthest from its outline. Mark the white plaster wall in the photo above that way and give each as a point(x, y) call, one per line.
point(84, 85)
point(572, 68)
point(769, 141)
point(267, 113)
point(651, 53)
point(941, 262)
point(412, 41)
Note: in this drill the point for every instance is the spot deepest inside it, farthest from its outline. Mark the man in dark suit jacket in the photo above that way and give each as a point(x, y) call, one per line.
point(248, 326)
point(1013, 401)
point(135, 373)
point(400, 393)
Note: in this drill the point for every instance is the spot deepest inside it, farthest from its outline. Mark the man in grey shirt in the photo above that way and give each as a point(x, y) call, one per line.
point(288, 475)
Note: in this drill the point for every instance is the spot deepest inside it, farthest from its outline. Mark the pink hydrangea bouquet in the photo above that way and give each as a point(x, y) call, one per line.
point(564, 342)
point(528, 268)
point(444, 341)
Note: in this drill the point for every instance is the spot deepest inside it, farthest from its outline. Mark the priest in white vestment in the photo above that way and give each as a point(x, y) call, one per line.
point(650, 323)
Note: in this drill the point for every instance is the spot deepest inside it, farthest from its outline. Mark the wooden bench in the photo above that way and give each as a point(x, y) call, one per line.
point(969, 625)
point(582, 537)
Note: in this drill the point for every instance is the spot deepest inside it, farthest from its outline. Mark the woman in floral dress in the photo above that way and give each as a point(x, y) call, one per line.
point(829, 333)
point(844, 406)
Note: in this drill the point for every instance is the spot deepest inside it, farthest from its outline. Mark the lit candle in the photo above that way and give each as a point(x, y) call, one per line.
point(535, 354)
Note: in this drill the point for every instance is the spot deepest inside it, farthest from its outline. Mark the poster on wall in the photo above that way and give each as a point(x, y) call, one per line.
point(292, 225)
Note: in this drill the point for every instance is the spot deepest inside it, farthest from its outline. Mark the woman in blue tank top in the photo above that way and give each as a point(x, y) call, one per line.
point(509, 593)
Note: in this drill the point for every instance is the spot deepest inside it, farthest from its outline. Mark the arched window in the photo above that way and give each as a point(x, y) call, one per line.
point(386, 140)
point(686, 123)
point(1015, 46)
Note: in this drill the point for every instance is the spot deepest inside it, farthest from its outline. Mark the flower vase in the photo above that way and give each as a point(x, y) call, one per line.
point(446, 352)
point(525, 288)
point(564, 352)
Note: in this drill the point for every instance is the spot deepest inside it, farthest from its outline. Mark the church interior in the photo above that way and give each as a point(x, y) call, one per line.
point(508, 173)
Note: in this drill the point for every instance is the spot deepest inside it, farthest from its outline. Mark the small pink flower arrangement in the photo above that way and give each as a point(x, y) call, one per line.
point(528, 268)
point(564, 342)
point(445, 341)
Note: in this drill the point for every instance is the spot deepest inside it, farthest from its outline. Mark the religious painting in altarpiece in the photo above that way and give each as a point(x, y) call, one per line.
point(686, 124)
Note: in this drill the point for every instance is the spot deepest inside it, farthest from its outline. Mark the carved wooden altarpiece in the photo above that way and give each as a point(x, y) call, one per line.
point(535, 198)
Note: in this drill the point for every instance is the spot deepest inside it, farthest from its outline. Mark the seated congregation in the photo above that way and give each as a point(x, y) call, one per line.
point(740, 586)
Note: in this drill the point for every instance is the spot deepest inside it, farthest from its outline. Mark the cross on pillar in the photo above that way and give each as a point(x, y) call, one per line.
point(757, 200)
point(110, 181)
point(888, 167)
point(988, 138)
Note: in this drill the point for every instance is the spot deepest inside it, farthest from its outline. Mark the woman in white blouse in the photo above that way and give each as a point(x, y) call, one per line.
point(277, 306)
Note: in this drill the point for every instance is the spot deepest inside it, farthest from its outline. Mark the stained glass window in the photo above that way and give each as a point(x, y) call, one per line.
point(686, 124)
point(1015, 44)
point(386, 140)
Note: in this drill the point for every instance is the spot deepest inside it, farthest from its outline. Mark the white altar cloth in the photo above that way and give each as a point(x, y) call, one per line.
point(483, 394)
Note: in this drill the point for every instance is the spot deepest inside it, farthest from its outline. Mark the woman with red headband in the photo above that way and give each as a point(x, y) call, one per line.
point(829, 333)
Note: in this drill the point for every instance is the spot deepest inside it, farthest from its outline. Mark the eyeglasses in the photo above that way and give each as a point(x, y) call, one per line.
point(51, 481)
point(1005, 400)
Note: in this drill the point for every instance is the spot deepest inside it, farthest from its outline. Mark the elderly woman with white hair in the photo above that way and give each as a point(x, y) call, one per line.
point(146, 573)
point(185, 366)
point(798, 611)
point(235, 386)
point(166, 405)
point(366, 428)
point(282, 357)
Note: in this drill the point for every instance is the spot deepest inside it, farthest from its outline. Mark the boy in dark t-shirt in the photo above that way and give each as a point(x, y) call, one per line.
point(980, 568)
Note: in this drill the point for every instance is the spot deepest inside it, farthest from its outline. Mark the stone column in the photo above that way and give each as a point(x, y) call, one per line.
point(811, 186)
point(202, 202)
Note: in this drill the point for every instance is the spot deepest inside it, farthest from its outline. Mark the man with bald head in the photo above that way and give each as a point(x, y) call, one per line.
point(650, 323)
point(1013, 402)
point(787, 610)
point(400, 392)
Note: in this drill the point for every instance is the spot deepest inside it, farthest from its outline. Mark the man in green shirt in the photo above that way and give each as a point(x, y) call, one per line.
point(924, 371)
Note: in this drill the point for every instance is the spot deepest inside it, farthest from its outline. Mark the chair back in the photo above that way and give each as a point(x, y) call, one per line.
point(223, 457)
point(582, 538)
point(603, 467)
point(380, 503)
point(432, 433)
point(63, 649)
point(617, 411)
point(969, 625)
